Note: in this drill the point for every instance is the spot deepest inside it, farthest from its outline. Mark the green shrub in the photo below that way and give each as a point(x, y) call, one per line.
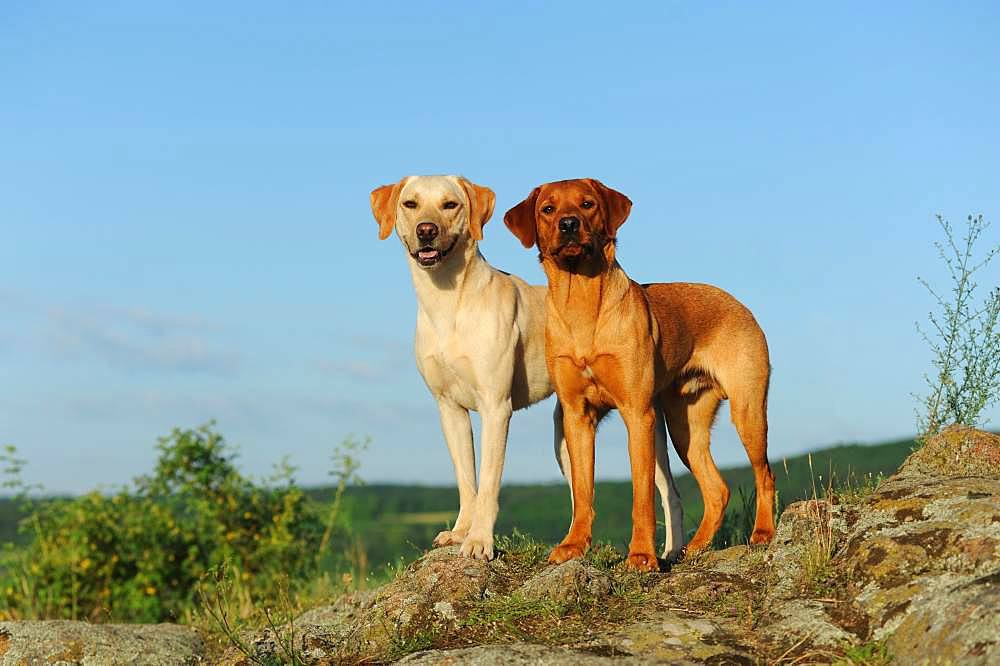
point(139, 554)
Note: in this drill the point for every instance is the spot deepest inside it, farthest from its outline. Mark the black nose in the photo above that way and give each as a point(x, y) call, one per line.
point(427, 231)
point(569, 225)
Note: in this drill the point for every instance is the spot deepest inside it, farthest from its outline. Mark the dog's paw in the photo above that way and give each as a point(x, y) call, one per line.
point(673, 556)
point(478, 546)
point(642, 562)
point(567, 551)
point(448, 538)
point(761, 537)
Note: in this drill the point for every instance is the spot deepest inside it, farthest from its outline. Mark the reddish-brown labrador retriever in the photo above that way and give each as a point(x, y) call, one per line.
point(611, 343)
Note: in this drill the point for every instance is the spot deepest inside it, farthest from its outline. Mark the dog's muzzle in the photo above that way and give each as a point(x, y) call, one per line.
point(428, 256)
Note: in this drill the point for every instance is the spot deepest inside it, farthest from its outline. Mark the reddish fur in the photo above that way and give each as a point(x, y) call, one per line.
point(684, 346)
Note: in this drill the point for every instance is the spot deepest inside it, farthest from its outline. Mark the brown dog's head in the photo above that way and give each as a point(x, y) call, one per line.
point(432, 214)
point(573, 222)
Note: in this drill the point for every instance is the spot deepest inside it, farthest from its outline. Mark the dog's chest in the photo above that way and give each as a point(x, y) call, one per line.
point(590, 377)
point(450, 375)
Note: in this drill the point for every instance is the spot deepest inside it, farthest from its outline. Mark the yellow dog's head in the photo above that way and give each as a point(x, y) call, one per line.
point(432, 214)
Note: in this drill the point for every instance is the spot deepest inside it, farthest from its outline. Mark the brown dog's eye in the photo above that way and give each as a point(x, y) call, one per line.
point(548, 209)
point(448, 205)
point(409, 204)
point(587, 204)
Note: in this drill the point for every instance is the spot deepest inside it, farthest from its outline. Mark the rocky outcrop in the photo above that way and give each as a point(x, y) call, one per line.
point(923, 554)
point(908, 571)
point(67, 642)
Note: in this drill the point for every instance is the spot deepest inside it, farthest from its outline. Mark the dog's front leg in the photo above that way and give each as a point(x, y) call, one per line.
point(579, 425)
point(642, 456)
point(496, 422)
point(457, 430)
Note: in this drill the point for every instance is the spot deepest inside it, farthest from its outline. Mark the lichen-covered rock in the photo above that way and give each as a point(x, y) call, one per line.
point(568, 581)
point(916, 564)
point(803, 526)
point(798, 621)
point(433, 591)
point(963, 627)
point(675, 639)
point(315, 637)
point(923, 553)
point(66, 642)
point(342, 611)
point(511, 653)
point(365, 626)
point(956, 451)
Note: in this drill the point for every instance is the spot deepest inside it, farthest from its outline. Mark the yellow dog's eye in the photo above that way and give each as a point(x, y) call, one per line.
point(587, 204)
point(548, 209)
point(448, 205)
point(409, 204)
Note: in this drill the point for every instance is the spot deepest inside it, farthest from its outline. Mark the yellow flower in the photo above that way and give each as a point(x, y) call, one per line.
point(85, 563)
point(247, 515)
point(150, 590)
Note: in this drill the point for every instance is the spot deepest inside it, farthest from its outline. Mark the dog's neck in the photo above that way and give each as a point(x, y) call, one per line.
point(583, 296)
point(440, 290)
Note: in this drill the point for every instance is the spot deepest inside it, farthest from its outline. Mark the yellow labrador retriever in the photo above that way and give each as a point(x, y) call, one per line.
point(480, 345)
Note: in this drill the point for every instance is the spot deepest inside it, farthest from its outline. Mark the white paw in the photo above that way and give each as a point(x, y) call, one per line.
point(448, 538)
point(673, 555)
point(478, 545)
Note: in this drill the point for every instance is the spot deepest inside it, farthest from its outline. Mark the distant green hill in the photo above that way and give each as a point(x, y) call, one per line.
point(398, 520)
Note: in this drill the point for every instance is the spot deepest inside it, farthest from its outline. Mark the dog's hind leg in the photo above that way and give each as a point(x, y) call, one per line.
point(689, 419)
point(457, 429)
point(749, 414)
point(673, 512)
point(562, 452)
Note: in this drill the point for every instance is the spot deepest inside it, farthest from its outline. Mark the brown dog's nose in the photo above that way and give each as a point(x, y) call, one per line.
point(569, 225)
point(427, 231)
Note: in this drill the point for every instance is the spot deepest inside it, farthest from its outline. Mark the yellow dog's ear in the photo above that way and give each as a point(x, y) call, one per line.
point(616, 204)
point(521, 219)
point(481, 202)
point(384, 200)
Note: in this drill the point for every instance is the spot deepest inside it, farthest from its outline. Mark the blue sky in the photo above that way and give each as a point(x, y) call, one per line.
point(185, 231)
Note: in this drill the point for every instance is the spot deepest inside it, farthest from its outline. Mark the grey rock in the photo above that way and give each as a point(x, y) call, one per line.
point(511, 653)
point(802, 621)
point(66, 642)
point(675, 639)
point(923, 555)
point(565, 582)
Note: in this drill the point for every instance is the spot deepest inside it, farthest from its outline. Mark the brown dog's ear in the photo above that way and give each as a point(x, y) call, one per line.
point(616, 204)
point(384, 200)
point(481, 202)
point(521, 219)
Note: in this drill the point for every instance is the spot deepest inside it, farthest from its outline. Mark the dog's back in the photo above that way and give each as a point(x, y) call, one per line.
point(705, 329)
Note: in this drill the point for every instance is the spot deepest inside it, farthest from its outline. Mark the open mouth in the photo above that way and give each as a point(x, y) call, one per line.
point(428, 256)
